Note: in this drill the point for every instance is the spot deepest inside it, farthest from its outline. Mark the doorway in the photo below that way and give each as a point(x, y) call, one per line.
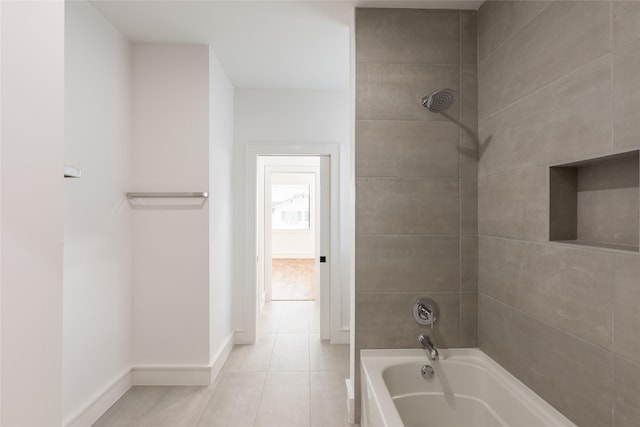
point(293, 233)
point(292, 217)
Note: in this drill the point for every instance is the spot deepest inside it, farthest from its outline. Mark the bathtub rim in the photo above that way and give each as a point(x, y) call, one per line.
point(373, 363)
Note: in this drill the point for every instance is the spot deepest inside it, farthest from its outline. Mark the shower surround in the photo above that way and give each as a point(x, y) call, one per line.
point(416, 178)
point(558, 83)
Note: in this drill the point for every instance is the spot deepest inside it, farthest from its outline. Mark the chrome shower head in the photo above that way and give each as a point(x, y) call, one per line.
point(438, 101)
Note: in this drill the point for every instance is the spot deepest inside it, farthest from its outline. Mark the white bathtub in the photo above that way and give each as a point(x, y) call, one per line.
point(469, 389)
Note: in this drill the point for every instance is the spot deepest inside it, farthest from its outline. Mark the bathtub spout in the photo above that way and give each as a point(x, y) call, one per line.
point(425, 341)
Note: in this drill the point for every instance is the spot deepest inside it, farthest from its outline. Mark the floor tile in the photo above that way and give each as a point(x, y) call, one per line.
point(328, 357)
point(234, 401)
point(131, 407)
point(295, 317)
point(254, 357)
point(290, 353)
point(179, 406)
point(285, 400)
point(329, 397)
point(289, 378)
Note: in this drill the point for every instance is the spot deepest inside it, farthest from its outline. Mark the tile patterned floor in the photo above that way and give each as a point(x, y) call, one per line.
point(289, 378)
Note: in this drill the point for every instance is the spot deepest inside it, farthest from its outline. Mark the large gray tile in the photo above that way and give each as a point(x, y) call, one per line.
point(394, 91)
point(406, 206)
point(406, 149)
point(626, 22)
point(329, 397)
point(251, 357)
point(284, 401)
point(468, 263)
point(557, 124)
point(469, 146)
point(498, 21)
point(234, 401)
point(407, 263)
point(469, 319)
point(470, 149)
point(328, 357)
point(626, 411)
point(571, 374)
point(468, 206)
point(468, 37)
point(469, 95)
point(290, 353)
point(562, 38)
point(416, 36)
point(626, 89)
point(385, 320)
point(179, 406)
point(565, 287)
point(514, 205)
point(131, 407)
point(626, 313)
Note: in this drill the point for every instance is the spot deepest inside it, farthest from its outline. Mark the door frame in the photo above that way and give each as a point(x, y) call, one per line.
point(329, 292)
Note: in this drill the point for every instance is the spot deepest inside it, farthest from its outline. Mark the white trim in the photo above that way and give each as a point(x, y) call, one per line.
point(100, 402)
point(172, 375)
point(342, 337)
point(242, 337)
point(218, 360)
point(350, 401)
point(248, 334)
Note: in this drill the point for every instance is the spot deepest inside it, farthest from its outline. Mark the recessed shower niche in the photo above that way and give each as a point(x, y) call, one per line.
point(595, 202)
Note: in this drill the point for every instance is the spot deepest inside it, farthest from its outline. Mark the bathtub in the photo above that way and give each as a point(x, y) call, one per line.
point(468, 389)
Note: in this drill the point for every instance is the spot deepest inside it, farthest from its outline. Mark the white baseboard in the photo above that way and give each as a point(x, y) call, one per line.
point(171, 375)
point(243, 337)
point(342, 336)
point(218, 360)
point(183, 374)
point(99, 403)
point(350, 401)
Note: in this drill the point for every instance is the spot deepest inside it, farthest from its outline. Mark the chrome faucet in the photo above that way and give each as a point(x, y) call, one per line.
point(425, 342)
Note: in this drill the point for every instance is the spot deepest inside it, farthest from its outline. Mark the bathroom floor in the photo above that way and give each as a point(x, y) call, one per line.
point(288, 378)
point(293, 279)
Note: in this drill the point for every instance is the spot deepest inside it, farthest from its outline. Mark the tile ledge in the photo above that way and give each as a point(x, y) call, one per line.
point(607, 247)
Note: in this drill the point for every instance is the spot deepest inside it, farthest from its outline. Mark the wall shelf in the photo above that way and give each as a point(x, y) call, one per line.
point(169, 195)
point(72, 172)
point(596, 202)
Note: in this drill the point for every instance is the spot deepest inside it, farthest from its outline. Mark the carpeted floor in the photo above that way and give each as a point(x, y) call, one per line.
point(293, 279)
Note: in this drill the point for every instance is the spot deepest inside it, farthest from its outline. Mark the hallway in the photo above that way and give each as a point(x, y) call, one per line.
point(288, 378)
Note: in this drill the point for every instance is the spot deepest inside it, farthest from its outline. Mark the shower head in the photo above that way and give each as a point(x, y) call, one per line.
point(438, 101)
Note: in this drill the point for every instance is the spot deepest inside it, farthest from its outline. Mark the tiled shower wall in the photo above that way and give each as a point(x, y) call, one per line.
point(558, 82)
point(416, 177)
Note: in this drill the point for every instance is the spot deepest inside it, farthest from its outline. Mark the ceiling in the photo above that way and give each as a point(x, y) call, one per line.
point(261, 44)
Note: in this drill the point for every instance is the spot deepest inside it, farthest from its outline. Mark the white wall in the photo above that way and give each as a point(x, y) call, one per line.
point(32, 127)
point(170, 105)
point(296, 117)
point(221, 224)
point(97, 217)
